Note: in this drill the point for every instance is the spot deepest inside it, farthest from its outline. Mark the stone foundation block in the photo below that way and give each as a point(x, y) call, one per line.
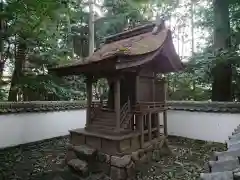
point(69, 156)
point(78, 166)
point(120, 161)
point(117, 173)
point(131, 170)
point(103, 158)
point(84, 152)
point(135, 156)
point(144, 159)
point(102, 167)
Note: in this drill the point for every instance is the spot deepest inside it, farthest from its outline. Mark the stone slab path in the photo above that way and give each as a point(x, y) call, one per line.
point(225, 164)
point(40, 161)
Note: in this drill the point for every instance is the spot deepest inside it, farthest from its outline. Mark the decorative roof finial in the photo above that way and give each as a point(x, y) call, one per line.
point(159, 24)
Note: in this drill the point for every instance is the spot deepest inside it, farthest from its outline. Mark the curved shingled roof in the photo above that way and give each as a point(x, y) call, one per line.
point(135, 43)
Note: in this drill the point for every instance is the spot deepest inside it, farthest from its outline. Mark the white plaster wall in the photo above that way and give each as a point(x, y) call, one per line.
point(23, 128)
point(204, 126)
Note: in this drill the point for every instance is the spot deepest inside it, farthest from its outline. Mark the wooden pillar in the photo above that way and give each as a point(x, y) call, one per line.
point(165, 107)
point(141, 131)
point(157, 124)
point(153, 87)
point(137, 88)
point(165, 123)
point(117, 103)
point(150, 126)
point(140, 128)
point(137, 121)
point(89, 100)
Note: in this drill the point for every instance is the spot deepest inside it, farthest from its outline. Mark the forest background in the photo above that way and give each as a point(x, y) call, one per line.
point(39, 34)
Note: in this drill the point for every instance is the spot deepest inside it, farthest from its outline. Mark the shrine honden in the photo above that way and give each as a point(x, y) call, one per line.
point(126, 129)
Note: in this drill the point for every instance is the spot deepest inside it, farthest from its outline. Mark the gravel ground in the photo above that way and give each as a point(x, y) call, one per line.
point(39, 161)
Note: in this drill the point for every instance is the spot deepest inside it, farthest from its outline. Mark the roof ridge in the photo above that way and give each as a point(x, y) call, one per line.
point(130, 33)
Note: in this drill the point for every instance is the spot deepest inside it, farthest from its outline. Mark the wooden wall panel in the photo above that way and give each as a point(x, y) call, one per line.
point(145, 89)
point(159, 91)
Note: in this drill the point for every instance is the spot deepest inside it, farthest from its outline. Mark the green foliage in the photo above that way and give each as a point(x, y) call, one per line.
point(56, 32)
point(47, 85)
point(44, 27)
point(3, 94)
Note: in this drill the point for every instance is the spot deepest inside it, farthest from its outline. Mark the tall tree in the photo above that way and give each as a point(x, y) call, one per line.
point(222, 72)
point(91, 27)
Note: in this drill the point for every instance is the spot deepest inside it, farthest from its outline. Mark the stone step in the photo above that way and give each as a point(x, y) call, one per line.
point(101, 122)
point(226, 175)
point(224, 165)
point(235, 137)
point(109, 130)
point(236, 131)
point(230, 152)
point(100, 128)
point(106, 115)
point(78, 166)
point(231, 142)
point(85, 153)
point(105, 119)
point(227, 166)
point(234, 145)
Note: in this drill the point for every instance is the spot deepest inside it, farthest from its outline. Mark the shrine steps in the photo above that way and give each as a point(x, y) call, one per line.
point(107, 129)
point(106, 119)
point(104, 122)
point(81, 159)
point(79, 167)
point(106, 114)
point(226, 165)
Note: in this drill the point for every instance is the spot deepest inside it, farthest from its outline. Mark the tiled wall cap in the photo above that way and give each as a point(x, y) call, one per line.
point(43, 106)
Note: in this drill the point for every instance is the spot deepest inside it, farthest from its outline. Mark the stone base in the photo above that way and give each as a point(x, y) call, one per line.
point(121, 167)
point(110, 144)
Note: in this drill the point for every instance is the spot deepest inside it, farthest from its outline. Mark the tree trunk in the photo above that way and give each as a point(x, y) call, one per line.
point(192, 26)
point(17, 73)
point(2, 61)
point(222, 72)
point(91, 27)
point(222, 84)
point(193, 44)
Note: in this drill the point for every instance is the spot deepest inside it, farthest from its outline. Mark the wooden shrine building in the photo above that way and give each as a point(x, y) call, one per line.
point(131, 62)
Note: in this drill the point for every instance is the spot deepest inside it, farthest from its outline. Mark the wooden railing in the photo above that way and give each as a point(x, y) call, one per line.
point(125, 110)
point(150, 106)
